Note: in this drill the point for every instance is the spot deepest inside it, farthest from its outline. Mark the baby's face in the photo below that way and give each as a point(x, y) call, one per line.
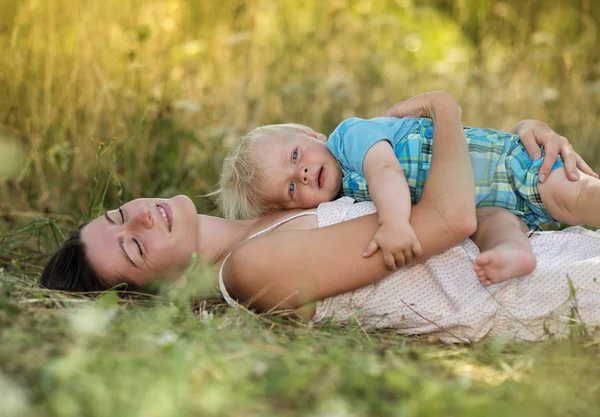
point(299, 171)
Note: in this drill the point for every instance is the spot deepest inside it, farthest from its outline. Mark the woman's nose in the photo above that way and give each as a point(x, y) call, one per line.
point(143, 218)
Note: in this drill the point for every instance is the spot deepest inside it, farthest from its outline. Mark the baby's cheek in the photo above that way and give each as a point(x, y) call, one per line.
point(319, 198)
point(307, 201)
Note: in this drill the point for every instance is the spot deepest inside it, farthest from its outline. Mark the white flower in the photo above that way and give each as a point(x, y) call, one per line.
point(166, 338)
point(12, 398)
point(91, 320)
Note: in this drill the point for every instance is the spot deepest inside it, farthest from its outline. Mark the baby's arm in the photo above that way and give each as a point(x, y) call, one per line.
point(442, 109)
point(289, 269)
point(391, 195)
point(505, 249)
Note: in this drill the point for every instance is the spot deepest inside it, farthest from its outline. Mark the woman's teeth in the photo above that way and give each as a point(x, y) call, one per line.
point(164, 216)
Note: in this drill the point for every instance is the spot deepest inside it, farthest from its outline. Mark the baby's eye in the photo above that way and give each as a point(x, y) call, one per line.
point(292, 187)
point(295, 155)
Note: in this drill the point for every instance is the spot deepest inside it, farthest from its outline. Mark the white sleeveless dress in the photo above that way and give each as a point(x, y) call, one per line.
point(444, 299)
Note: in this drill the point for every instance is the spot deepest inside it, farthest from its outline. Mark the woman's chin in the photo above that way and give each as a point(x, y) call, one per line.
point(184, 217)
point(184, 199)
point(167, 276)
point(184, 206)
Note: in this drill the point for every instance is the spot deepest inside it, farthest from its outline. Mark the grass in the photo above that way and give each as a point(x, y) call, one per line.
point(174, 83)
point(65, 355)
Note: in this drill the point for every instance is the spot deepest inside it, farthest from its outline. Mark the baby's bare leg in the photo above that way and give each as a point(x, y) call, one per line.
point(574, 203)
point(505, 250)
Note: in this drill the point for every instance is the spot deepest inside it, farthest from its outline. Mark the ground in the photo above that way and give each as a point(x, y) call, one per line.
point(65, 355)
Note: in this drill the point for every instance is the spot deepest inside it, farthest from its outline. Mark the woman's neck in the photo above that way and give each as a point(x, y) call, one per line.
point(217, 237)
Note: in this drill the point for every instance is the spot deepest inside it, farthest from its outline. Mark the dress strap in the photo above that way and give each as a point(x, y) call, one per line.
point(279, 223)
point(222, 289)
point(224, 293)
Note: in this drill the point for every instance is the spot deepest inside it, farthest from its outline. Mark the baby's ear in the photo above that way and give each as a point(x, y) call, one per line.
point(320, 136)
point(311, 132)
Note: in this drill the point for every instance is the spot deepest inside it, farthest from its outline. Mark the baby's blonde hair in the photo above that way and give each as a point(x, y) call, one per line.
point(241, 193)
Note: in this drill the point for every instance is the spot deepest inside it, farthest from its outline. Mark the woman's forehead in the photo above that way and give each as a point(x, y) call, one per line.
point(102, 249)
point(139, 202)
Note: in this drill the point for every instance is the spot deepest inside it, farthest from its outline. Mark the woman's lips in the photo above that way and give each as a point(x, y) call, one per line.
point(169, 214)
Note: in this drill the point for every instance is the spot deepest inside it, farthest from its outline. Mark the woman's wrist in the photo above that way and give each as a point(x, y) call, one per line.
point(442, 101)
point(450, 184)
point(527, 124)
point(424, 105)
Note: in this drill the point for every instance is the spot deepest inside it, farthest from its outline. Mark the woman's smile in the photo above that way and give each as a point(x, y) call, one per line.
point(114, 242)
point(165, 212)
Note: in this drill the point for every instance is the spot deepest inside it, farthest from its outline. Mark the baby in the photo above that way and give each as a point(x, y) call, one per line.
point(386, 160)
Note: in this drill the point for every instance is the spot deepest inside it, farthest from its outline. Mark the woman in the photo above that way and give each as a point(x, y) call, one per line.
point(291, 268)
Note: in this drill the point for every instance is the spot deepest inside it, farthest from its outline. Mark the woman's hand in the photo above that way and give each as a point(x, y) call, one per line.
point(534, 134)
point(420, 106)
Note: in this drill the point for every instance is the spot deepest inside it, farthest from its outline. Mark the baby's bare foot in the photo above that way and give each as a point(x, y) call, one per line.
point(503, 263)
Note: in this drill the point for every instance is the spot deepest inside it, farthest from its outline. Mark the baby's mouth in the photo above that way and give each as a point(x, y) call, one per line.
point(320, 178)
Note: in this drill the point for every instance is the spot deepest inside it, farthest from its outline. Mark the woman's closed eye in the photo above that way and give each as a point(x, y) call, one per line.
point(112, 218)
point(139, 247)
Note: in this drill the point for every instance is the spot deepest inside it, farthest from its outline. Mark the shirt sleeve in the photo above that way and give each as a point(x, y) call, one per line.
point(353, 138)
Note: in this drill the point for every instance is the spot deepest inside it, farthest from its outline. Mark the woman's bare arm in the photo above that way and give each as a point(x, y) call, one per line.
point(288, 269)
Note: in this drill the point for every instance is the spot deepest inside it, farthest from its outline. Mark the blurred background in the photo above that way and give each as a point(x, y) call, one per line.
point(104, 101)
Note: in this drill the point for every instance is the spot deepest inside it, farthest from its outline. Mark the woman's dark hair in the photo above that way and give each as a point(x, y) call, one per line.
point(68, 269)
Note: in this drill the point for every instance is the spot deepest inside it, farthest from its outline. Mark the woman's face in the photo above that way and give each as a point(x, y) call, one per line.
point(143, 240)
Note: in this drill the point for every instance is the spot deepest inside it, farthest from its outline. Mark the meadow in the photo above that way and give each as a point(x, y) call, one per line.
point(105, 101)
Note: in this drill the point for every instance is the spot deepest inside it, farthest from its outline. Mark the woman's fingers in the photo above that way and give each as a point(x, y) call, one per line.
point(583, 166)
point(531, 146)
point(539, 134)
point(417, 106)
point(407, 108)
point(550, 156)
point(554, 146)
point(569, 157)
point(392, 111)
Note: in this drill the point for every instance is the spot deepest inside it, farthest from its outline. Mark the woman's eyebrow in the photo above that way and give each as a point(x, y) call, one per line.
point(108, 218)
point(121, 240)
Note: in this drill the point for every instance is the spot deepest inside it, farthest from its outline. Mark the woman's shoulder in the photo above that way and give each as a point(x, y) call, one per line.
point(326, 214)
point(306, 219)
point(343, 209)
point(285, 220)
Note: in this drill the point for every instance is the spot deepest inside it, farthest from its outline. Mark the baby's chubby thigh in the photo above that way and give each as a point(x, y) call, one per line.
point(571, 202)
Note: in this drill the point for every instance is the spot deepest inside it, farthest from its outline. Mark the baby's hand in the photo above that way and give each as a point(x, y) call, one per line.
point(398, 243)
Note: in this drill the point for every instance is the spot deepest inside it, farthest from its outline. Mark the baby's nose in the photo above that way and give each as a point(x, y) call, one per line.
point(304, 175)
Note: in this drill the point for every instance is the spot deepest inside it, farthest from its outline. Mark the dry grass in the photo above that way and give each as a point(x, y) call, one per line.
point(175, 82)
